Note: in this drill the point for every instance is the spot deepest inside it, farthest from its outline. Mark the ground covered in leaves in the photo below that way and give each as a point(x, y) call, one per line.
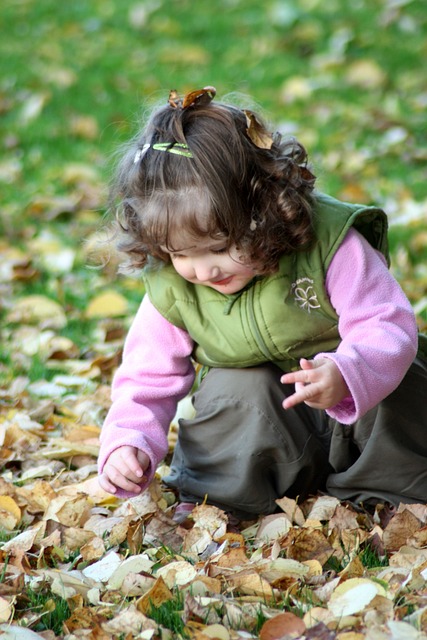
point(76, 562)
point(82, 564)
point(348, 79)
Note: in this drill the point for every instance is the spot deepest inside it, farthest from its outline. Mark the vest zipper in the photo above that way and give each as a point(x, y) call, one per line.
point(254, 326)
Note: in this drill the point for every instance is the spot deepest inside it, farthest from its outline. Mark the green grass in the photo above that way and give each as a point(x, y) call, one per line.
point(169, 615)
point(95, 59)
point(52, 609)
point(370, 558)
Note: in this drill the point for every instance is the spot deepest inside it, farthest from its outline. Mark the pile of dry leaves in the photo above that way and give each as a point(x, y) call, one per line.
point(316, 570)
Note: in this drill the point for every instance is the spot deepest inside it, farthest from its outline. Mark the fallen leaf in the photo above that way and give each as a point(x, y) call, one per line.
point(353, 595)
point(282, 625)
point(10, 513)
point(155, 597)
point(38, 309)
point(250, 583)
point(177, 573)
point(134, 622)
point(273, 527)
point(324, 508)
point(6, 609)
point(102, 570)
point(16, 632)
point(309, 544)
point(106, 305)
point(214, 631)
point(365, 73)
point(292, 510)
point(402, 526)
point(133, 564)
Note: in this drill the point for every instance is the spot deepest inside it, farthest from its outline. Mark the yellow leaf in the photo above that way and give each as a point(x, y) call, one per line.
point(6, 610)
point(107, 304)
point(250, 583)
point(38, 309)
point(155, 597)
point(296, 88)
point(366, 74)
point(67, 511)
point(216, 632)
point(10, 513)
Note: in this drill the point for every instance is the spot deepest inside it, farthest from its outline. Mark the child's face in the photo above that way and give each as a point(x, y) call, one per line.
point(208, 262)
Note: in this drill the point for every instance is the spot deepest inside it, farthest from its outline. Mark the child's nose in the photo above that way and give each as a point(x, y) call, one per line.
point(205, 270)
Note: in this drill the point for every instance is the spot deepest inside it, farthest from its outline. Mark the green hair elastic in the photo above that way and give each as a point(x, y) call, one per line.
point(178, 148)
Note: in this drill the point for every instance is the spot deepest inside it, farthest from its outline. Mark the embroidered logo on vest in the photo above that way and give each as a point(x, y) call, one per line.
point(304, 294)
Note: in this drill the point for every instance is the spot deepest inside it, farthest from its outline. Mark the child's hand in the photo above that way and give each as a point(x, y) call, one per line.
point(318, 383)
point(124, 469)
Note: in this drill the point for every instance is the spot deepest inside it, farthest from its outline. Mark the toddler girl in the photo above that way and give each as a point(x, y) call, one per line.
point(308, 346)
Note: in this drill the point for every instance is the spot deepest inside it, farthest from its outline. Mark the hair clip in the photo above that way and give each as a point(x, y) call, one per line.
point(140, 153)
point(177, 148)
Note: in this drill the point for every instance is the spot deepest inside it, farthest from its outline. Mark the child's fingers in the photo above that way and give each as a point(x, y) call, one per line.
point(113, 478)
point(126, 461)
point(132, 468)
point(308, 373)
point(305, 393)
point(105, 484)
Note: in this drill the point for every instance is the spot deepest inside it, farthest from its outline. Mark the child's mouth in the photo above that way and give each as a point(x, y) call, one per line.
point(223, 282)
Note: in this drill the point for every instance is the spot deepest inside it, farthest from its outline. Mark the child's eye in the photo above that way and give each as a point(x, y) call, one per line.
point(220, 250)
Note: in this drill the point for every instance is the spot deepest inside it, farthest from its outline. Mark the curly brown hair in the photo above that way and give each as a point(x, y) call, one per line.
point(260, 199)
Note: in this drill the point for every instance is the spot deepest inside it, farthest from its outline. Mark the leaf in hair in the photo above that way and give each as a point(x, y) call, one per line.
point(307, 175)
point(199, 97)
point(257, 132)
point(174, 100)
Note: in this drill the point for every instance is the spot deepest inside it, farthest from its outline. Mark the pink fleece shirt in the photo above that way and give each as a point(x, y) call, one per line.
point(378, 344)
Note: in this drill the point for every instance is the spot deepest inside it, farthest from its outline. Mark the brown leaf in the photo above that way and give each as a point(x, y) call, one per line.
point(320, 632)
point(199, 97)
point(282, 625)
point(257, 132)
point(292, 510)
point(310, 544)
point(155, 597)
point(343, 518)
point(400, 528)
point(234, 557)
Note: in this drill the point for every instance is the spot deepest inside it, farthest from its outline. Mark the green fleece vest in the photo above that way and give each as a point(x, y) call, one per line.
point(278, 318)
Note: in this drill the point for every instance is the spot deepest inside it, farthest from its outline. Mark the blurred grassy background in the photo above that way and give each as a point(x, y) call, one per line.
point(347, 78)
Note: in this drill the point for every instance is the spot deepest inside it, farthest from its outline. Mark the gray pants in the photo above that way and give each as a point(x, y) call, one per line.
point(243, 451)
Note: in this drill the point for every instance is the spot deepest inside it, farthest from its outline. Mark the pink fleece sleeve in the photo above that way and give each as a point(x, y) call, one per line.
point(376, 323)
point(156, 372)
